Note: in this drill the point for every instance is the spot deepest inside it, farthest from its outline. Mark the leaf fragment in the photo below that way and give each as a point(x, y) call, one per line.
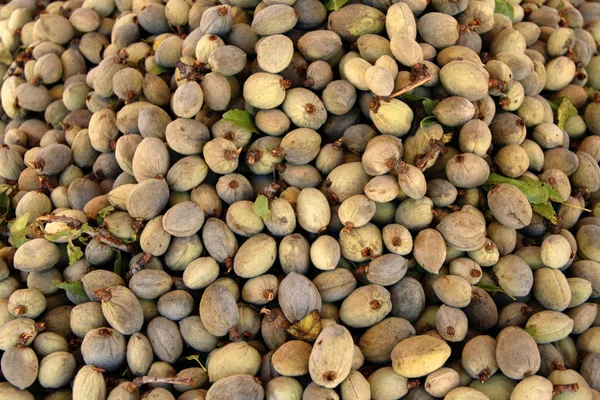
point(590, 91)
point(18, 230)
point(6, 188)
point(159, 69)
point(492, 288)
point(74, 252)
point(242, 119)
point(546, 211)
point(118, 264)
point(72, 287)
point(429, 105)
point(427, 121)
point(53, 237)
point(413, 97)
point(537, 192)
point(195, 357)
point(334, 5)
point(71, 233)
point(566, 110)
point(4, 206)
point(308, 328)
point(102, 214)
point(503, 7)
point(261, 207)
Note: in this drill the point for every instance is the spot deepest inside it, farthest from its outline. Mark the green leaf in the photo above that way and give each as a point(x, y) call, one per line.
point(537, 192)
point(502, 7)
point(18, 229)
point(566, 110)
point(261, 207)
point(118, 265)
point(427, 121)
point(194, 357)
point(53, 237)
point(553, 105)
point(20, 224)
point(5, 188)
point(77, 232)
point(74, 252)
point(492, 288)
point(308, 328)
point(590, 91)
point(130, 240)
point(159, 69)
point(546, 211)
point(71, 233)
point(4, 206)
point(242, 119)
point(334, 5)
point(413, 97)
point(102, 214)
point(429, 105)
point(72, 287)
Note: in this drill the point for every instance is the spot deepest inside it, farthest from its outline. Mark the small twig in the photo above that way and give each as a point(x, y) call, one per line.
point(420, 76)
point(142, 380)
point(72, 222)
point(408, 88)
point(435, 148)
point(139, 264)
point(110, 240)
point(97, 233)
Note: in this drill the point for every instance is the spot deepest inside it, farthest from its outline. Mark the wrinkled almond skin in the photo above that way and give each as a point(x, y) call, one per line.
point(298, 297)
point(463, 231)
point(122, 310)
